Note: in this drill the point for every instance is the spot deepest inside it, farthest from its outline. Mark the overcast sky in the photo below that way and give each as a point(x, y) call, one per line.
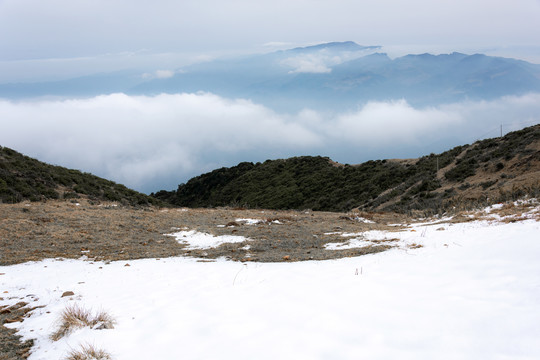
point(40, 36)
point(153, 143)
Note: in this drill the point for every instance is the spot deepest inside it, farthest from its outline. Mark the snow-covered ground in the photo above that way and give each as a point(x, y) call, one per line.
point(472, 291)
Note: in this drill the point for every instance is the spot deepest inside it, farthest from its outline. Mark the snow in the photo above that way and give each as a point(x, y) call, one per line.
point(250, 221)
point(258, 221)
point(472, 291)
point(494, 207)
point(199, 240)
point(364, 220)
point(350, 244)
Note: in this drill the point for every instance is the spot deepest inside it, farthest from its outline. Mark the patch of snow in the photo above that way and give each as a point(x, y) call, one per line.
point(493, 207)
point(199, 240)
point(351, 234)
point(258, 221)
point(350, 244)
point(362, 239)
point(250, 221)
point(434, 221)
point(364, 220)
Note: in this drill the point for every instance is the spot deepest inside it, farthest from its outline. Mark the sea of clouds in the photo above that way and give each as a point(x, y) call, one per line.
point(156, 142)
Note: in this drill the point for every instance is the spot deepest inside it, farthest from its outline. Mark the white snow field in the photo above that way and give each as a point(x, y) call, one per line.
point(471, 292)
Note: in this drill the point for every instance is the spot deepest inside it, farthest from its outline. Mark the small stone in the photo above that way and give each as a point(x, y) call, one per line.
point(127, 265)
point(67, 293)
point(286, 258)
point(10, 321)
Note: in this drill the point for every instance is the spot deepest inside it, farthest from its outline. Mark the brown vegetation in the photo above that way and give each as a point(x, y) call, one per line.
point(75, 317)
point(108, 231)
point(88, 352)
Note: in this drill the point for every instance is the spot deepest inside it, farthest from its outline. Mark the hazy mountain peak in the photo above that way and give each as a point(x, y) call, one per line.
point(334, 46)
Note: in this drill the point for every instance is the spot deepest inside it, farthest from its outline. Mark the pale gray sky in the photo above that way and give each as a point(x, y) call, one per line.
point(43, 38)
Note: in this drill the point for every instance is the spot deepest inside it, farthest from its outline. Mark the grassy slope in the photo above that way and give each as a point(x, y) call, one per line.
point(481, 172)
point(24, 178)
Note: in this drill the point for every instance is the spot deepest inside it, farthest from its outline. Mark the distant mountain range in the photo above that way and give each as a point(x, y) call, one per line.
point(337, 75)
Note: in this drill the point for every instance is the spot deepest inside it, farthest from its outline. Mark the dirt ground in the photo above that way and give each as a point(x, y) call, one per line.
point(10, 345)
point(107, 231)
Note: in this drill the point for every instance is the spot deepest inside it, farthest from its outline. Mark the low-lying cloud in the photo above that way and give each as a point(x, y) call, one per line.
point(153, 143)
point(321, 61)
point(159, 74)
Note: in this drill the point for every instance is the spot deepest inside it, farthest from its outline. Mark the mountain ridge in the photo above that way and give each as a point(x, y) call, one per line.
point(484, 172)
point(23, 178)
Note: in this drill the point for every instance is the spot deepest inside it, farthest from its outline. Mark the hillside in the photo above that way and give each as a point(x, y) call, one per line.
point(24, 178)
point(465, 176)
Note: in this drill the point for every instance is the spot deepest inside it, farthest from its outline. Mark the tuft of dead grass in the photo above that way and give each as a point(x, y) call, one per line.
point(103, 320)
point(75, 317)
point(88, 352)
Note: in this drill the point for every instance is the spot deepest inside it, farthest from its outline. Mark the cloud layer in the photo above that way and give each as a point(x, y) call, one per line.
point(153, 143)
point(321, 61)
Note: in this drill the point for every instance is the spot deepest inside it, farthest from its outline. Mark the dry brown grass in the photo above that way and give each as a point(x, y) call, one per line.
point(75, 317)
point(88, 352)
point(102, 232)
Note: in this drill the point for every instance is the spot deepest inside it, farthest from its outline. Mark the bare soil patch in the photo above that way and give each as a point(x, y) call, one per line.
point(108, 231)
point(11, 347)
